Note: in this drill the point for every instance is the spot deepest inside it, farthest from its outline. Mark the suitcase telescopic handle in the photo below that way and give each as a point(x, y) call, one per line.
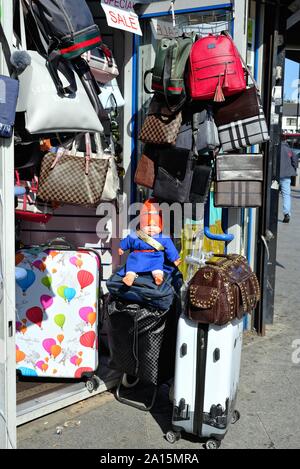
point(61, 243)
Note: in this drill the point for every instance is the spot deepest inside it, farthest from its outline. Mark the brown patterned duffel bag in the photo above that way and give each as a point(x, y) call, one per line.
point(224, 289)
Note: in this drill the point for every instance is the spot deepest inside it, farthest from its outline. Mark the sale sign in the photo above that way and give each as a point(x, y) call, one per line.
point(120, 15)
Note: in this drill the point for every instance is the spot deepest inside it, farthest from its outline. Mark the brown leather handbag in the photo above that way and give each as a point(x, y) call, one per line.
point(145, 171)
point(224, 289)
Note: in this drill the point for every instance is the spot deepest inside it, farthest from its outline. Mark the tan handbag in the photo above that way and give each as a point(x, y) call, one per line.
point(160, 127)
point(73, 178)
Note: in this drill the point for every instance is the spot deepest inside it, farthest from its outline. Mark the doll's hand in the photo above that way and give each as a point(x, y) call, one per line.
point(121, 252)
point(176, 263)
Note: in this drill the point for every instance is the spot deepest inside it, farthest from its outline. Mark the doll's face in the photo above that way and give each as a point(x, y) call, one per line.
point(151, 230)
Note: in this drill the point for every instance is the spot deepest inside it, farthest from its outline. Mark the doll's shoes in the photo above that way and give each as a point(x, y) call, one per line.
point(129, 279)
point(158, 279)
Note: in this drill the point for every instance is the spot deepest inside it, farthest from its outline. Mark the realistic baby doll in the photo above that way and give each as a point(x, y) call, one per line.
point(145, 257)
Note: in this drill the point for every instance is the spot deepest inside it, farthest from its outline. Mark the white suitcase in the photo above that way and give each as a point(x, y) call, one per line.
point(206, 380)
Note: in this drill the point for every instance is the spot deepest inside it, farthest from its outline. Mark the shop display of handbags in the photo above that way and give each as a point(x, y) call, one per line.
point(223, 115)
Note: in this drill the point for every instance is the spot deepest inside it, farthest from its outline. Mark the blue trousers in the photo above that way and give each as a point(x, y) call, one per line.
point(285, 186)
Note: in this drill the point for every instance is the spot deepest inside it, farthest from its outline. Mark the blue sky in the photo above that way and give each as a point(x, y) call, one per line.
point(290, 79)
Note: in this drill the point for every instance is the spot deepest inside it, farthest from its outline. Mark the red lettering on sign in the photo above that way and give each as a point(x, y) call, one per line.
point(121, 20)
point(132, 22)
point(112, 16)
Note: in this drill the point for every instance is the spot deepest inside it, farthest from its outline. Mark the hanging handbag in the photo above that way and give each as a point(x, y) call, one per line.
point(169, 68)
point(145, 171)
point(28, 206)
point(110, 96)
point(112, 182)
point(102, 64)
point(161, 126)
point(74, 177)
point(240, 120)
point(9, 90)
point(224, 289)
point(215, 68)
point(202, 123)
point(173, 185)
point(238, 180)
point(45, 110)
point(201, 182)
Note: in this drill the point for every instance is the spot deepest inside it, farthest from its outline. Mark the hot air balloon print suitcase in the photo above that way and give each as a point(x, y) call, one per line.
point(57, 312)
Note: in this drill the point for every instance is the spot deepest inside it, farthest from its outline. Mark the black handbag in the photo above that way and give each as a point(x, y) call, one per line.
point(174, 185)
point(201, 183)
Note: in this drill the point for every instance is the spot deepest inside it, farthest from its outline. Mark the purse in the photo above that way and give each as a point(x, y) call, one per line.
point(9, 90)
point(110, 96)
point(145, 171)
point(73, 178)
point(112, 182)
point(238, 180)
point(45, 110)
point(224, 289)
point(171, 184)
point(241, 121)
point(200, 183)
point(161, 126)
point(202, 124)
point(28, 206)
point(102, 63)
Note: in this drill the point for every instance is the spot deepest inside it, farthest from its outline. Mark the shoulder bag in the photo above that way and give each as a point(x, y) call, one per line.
point(238, 180)
point(224, 289)
point(73, 177)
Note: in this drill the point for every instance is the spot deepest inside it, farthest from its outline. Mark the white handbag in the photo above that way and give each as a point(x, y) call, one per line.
point(111, 96)
point(112, 182)
point(102, 64)
point(46, 111)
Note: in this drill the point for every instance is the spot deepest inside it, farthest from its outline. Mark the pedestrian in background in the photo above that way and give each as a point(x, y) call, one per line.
point(288, 168)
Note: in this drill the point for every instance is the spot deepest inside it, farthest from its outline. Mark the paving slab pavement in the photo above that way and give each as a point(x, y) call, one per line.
point(268, 398)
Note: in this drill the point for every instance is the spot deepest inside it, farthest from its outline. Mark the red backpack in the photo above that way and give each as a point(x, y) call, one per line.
point(215, 68)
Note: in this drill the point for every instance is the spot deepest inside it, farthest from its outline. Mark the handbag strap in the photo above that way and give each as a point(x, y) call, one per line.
point(166, 78)
point(6, 50)
point(149, 240)
point(226, 33)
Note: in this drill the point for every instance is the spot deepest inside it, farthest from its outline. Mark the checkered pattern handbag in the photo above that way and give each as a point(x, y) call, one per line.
point(161, 130)
point(73, 178)
point(243, 133)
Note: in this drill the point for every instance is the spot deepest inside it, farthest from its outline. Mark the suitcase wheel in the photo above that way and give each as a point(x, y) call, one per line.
point(235, 417)
point(172, 437)
point(92, 384)
point(212, 444)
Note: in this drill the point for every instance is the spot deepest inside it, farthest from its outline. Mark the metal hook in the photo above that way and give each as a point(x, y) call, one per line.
point(173, 13)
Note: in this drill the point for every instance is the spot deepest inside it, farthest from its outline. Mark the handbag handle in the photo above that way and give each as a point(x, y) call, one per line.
point(226, 33)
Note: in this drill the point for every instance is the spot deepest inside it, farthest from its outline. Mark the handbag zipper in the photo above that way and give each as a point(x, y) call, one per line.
point(67, 20)
point(196, 69)
point(215, 76)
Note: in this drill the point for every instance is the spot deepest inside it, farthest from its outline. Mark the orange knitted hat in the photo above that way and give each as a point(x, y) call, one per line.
point(151, 214)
